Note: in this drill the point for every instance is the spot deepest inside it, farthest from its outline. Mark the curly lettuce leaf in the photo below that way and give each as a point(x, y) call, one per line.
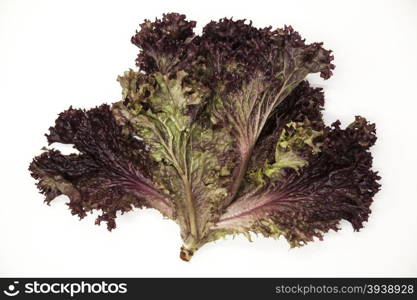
point(193, 159)
point(111, 173)
point(166, 44)
point(259, 69)
point(336, 184)
point(221, 133)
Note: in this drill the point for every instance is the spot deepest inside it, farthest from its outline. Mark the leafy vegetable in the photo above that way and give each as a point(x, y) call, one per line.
point(219, 132)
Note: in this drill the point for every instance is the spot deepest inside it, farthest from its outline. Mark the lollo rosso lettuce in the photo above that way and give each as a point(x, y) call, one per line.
point(221, 133)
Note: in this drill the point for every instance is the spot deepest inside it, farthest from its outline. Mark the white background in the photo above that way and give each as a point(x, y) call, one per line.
point(54, 54)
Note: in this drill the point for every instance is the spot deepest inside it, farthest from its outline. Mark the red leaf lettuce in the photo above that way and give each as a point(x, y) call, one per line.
point(221, 133)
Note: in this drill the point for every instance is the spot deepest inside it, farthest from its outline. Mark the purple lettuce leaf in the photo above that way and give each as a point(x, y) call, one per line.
point(337, 184)
point(221, 133)
point(110, 174)
point(252, 71)
point(165, 44)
